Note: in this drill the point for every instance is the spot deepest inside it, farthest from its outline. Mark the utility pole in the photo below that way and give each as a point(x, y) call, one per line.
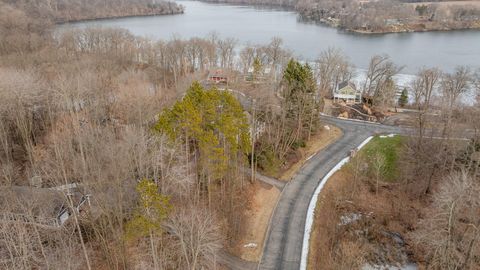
point(252, 161)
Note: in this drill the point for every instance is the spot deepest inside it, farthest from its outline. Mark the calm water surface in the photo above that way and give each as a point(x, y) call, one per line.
point(250, 25)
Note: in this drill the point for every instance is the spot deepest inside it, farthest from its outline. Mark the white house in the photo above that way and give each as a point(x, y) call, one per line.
point(347, 92)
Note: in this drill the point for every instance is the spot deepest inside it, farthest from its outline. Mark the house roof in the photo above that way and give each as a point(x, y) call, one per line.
point(217, 73)
point(33, 201)
point(40, 203)
point(346, 90)
point(345, 84)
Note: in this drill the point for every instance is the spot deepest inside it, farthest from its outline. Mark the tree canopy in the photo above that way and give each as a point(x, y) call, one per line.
point(403, 99)
point(152, 209)
point(212, 122)
point(298, 78)
point(300, 97)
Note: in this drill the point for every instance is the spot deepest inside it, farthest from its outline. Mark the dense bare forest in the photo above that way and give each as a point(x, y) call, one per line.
point(281, 3)
point(78, 114)
point(115, 154)
point(70, 10)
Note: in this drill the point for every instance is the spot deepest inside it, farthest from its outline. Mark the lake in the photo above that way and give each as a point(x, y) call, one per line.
point(257, 25)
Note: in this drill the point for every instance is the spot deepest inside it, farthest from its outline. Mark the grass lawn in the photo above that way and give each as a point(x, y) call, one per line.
point(389, 148)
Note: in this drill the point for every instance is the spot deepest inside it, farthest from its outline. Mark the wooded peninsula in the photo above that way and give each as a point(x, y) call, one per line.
point(381, 16)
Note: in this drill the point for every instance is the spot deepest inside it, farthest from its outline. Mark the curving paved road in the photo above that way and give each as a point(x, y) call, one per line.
point(283, 245)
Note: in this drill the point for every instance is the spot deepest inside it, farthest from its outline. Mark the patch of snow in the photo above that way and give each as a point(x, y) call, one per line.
point(250, 245)
point(347, 219)
point(387, 136)
point(408, 266)
point(364, 143)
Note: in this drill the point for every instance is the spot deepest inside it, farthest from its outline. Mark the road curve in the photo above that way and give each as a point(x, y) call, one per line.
point(283, 245)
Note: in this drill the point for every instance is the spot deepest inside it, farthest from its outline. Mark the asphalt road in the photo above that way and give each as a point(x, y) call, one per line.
point(283, 246)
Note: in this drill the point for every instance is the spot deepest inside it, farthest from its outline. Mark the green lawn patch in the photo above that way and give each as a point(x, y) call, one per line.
point(389, 148)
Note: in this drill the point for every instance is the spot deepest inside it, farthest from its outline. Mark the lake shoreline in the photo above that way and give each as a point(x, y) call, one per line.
point(407, 29)
point(248, 25)
point(106, 18)
point(386, 30)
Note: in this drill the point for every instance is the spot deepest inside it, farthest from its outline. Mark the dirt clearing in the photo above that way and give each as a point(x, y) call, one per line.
point(263, 202)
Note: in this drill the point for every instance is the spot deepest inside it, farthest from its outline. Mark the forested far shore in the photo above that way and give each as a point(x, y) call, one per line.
point(387, 16)
point(278, 3)
point(384, 16)
point(61, 11)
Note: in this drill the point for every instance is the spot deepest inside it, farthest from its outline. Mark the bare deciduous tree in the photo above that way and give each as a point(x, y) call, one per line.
point(378, 168)
point(453, 86)
point(450, 233)
point(197, 237)
point(423, 89)
point(379, 85)
point(333, 68)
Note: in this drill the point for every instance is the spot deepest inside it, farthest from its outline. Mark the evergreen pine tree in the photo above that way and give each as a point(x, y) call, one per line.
point(403, 99)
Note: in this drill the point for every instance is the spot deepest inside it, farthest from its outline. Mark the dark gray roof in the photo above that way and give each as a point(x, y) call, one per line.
point(345, 84)
point(36, 202)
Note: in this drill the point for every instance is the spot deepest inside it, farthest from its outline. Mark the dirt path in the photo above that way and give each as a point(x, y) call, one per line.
point(234, 263)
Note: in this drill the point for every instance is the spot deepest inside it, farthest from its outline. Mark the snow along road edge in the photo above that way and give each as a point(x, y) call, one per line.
point(313, 203)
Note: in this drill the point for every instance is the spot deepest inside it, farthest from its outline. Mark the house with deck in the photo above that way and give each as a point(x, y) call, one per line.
point(217, 76)
point(348, 93)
